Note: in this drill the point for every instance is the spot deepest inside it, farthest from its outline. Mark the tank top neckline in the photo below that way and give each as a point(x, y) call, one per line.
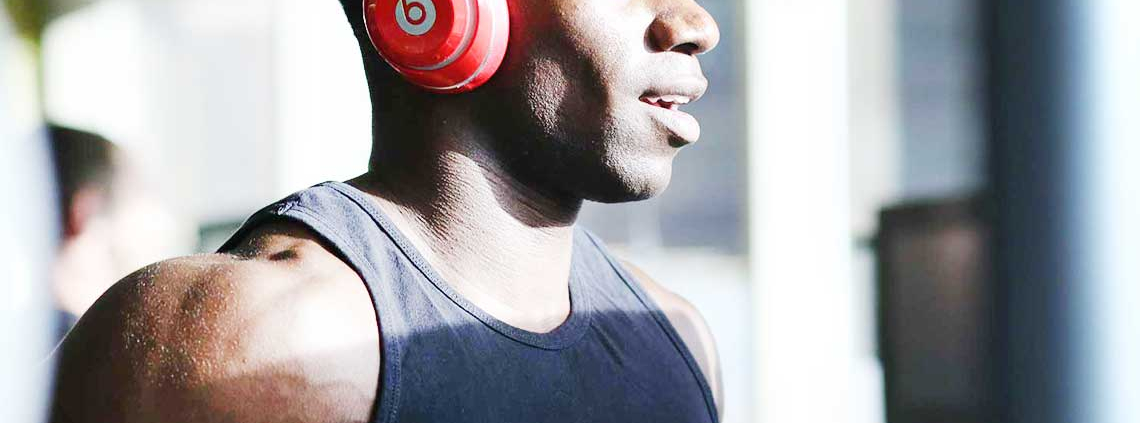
point(564, 336)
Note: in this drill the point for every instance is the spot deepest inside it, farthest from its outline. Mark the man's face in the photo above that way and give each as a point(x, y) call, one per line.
point(587, 100)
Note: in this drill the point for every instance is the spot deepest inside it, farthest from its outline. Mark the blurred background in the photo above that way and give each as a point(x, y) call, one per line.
point(900, 210)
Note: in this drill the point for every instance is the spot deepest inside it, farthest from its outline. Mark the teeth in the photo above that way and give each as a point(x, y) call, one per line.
point(668, 101)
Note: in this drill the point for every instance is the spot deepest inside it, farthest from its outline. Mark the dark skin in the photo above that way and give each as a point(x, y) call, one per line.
point(487, 186)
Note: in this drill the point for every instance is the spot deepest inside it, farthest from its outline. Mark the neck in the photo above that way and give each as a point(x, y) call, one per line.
point(498, 241)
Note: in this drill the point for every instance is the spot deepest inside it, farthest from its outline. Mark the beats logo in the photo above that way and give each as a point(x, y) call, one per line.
point(416, 17)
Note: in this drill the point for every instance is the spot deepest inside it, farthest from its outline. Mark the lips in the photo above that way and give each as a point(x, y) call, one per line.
point(677, 92)
point(667, 98)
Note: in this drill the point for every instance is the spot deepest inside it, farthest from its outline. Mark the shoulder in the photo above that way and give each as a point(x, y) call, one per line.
point(278, 330)
point(690, 325)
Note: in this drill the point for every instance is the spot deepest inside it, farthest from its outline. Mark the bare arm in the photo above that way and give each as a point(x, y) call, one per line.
point(692, 328)
point(215, 339)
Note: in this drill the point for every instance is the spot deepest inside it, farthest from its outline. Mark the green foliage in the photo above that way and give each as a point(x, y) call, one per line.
point(31, 16)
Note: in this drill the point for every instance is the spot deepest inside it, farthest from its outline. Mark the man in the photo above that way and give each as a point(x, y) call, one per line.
point(85, 169)
point(449, 283)
point(109, 224)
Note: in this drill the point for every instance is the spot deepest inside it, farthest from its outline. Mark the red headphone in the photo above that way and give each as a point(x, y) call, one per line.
point(444, 46)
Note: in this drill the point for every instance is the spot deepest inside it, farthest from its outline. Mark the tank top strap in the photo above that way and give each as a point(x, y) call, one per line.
point(347, 222)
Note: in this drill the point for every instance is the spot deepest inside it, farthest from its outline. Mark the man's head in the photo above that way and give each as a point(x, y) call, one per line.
point(582, 103)
point(86, 168)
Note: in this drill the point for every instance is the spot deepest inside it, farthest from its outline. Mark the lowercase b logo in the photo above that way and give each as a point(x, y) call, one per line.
point(415, 17)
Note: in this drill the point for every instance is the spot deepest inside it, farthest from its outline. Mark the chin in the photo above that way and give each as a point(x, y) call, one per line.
point(633, 182)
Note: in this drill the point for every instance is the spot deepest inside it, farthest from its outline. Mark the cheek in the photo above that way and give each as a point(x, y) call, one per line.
point(610, 34)
point(566, 99)
point(572, 66)
point(597, 43)
point(546, 90)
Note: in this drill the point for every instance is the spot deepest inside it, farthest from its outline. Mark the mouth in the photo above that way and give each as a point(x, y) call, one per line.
point(667, 102)
point(675, 93)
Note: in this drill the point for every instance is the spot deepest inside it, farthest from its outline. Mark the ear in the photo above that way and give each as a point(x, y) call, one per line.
point(86, 203)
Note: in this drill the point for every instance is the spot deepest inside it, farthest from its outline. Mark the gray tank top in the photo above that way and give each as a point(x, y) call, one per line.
point(616, 359)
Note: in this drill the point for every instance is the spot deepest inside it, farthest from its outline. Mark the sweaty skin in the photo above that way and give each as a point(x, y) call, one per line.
point(486, 185)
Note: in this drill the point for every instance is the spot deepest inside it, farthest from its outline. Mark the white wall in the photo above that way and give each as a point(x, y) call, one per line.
point(232, 103)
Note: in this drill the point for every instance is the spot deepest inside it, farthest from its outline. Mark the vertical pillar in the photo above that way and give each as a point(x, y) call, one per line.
point(1064, 139)
point(27, 240)
point(1111, 131)
point(799, 200)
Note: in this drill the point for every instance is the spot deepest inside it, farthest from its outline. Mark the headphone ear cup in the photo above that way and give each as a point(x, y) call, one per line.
point(443, 46)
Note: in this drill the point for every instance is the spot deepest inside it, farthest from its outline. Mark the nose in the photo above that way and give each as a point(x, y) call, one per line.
point(683, 26)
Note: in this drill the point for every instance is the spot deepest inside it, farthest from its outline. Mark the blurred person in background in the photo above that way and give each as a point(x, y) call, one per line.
point(450, 283)
point(86, 169)
point(110, 221)
point(110, 224)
